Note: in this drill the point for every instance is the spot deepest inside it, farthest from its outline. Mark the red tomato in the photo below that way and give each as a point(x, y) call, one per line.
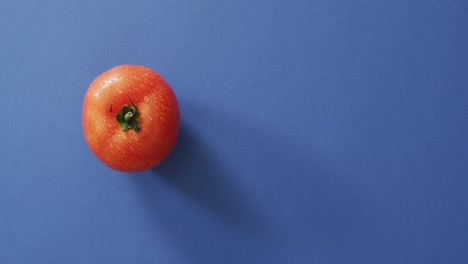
point(130, 118)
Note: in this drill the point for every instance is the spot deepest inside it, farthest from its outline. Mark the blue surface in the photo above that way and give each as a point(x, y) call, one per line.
point(312, 132)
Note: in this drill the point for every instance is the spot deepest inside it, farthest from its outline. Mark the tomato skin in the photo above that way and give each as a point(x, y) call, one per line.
point(159, 120)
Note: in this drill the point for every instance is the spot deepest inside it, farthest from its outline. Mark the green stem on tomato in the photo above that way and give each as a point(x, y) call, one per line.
point(128, 118)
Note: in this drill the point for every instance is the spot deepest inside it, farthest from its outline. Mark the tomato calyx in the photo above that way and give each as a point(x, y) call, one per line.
point(128, 118)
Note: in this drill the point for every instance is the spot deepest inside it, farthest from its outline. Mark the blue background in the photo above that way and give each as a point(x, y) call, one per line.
point(312, 132)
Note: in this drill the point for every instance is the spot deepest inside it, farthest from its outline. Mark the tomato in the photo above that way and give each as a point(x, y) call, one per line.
point(130, 118)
